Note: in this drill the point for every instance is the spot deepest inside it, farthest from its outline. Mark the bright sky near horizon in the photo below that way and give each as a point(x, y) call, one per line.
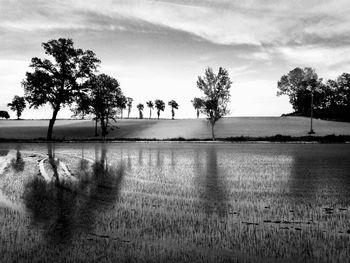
point(157, 49)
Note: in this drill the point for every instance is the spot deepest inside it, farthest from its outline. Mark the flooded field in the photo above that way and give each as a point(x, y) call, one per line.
point(174, 202)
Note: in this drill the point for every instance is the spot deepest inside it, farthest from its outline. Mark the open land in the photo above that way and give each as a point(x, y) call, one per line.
point(232, 127)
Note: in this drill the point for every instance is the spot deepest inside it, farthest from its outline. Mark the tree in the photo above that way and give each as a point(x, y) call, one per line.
point(197, 104)
point(58, 82)
point(140, 107)
point(160, 106)
point(4, 114)
point(129, 104)
point(18, 104)
point(299, 84)
point(150, 106)
point(173, 104)
point(101, 99)
point(121, 104)
point(216, 89)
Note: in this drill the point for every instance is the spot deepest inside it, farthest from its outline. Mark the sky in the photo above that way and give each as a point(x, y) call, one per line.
point(157, 49)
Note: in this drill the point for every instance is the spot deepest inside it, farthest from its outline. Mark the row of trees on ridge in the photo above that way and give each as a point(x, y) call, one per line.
point(71, 79)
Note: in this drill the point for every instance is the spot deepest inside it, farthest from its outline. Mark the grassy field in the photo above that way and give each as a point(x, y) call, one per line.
point(165, 129)
point(161, 202)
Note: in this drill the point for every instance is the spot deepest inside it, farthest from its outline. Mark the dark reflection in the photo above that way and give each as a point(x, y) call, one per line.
point(140, 159)
point(18, 163)
point(159, 160)
point(321, 171)
point(172, 158)
point(212, 188)
point(65, 209)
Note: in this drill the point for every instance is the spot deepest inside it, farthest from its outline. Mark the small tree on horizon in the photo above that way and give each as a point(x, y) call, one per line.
point(197, 105)
point(150, 106)
point(121, 104)
point(174, 105)
point(140, 108)
point(58, 81)
point(129, 105)
point(17, 104)
point(216, 89)
point(160, 106)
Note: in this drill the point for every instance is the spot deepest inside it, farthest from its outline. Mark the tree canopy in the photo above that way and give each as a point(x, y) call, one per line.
point(140, 107)
point(101, 99)
point(18, 104)
point(160, 106)
point(197, 105)
point(129, 104)
point(58, 81)
point(174, 105)
point(150, 106)
point(216, 90)
point(331, 99)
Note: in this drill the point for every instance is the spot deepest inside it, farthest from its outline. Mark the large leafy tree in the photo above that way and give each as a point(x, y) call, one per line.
point(197, 105)
point(140, 108)
point(160, 106)
point(150, 105)
point(216, 89)
point(298, 84)
point(174, 105)
point(58, 81)
point(129, 104)
point(101, 99)
point(17, 104)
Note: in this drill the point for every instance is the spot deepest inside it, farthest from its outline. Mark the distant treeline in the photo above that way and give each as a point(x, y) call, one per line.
point(330, 99)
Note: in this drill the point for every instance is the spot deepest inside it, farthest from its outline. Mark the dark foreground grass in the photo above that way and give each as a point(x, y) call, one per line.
point(189, 202)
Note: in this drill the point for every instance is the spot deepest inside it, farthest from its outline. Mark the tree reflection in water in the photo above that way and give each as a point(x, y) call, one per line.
point(64, 209)
point(212, 189)
point(18, 163)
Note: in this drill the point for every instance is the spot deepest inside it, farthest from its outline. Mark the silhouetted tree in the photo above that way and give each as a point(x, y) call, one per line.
point(140, 107)
point(160, 106)
point(150, 106)
point(129, 104)
point(216, 89)
point(197, 104)
point(298, 84)
point(18, 104)
point(173, 104)
point(121, 104)
point(101, 99)
point(4, 114)
point(58, 82)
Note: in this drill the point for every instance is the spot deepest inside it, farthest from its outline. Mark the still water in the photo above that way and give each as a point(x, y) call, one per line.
point(174, 201)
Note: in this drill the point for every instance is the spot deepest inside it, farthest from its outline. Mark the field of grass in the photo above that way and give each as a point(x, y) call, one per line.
point(177, 202)
point(165, 129)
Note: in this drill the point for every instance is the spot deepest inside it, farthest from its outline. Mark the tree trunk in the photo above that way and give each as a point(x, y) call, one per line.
point(212, 130)
point(158, 113)
point(150, 113)
point(172, 114)
point(104, 128)
point(197, 114)
point(51, 123)
point(96, 120)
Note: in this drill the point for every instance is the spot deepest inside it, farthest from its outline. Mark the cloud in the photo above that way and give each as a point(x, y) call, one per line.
point(221, 22)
